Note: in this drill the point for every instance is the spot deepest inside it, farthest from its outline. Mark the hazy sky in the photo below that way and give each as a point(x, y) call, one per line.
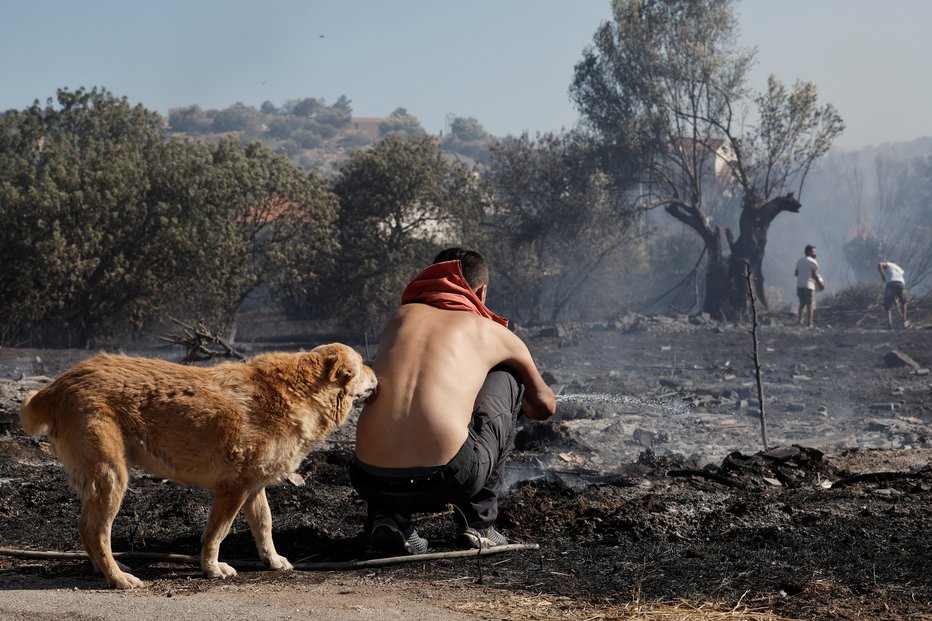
point(507, 63)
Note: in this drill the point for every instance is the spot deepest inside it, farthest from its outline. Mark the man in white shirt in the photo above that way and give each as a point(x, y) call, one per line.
point(808, 281)
point(895, 277)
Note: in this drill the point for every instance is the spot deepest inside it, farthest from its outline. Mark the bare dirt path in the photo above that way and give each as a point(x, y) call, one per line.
point(343, 598)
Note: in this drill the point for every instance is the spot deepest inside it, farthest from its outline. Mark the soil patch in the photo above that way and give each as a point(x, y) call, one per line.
point(650, 493)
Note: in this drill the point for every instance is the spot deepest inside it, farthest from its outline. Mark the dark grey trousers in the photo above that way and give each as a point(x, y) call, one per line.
point(472, 481)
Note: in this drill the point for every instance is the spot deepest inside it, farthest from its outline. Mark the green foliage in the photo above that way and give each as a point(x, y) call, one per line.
point(793, 131)
point(400, 202)
point(307, 138)
point(663, 88)
point(190, 119)
point(335, 116)
point(468, 129)
point(282, 127)
point(267, 222)
point(468, 137)
point(238, 118)
point(556, 221)
point(109, 224)
point(402, 124)
point(317, 136)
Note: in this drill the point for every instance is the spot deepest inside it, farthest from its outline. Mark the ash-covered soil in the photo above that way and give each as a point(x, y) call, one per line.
point(650, 493)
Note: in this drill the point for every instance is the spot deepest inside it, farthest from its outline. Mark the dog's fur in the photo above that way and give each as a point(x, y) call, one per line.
point(232, 429)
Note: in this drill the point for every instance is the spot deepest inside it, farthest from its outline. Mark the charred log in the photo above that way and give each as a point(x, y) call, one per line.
point(201, 343)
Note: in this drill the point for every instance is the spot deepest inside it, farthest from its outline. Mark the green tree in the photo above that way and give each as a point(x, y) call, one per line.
point(664, 84)
point(343, 103)
point(338, 115)
point(307, 107)
point(84, 246)
point(468, 137)
point(555, 223)
point(238, 118)
point(109, 224)
point(468, 129)
point(402, 124)
point(400, 201)
point(266, 221)
point(190, 119)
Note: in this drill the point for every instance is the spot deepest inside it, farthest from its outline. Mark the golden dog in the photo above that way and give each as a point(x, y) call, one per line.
point(232, 429)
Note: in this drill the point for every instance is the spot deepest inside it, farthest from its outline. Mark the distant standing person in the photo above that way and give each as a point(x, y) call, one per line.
point(808, 281)
point(895, 291)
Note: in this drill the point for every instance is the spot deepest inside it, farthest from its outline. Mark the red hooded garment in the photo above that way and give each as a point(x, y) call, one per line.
point(443, 286)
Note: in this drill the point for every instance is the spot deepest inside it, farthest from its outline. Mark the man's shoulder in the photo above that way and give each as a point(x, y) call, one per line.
point(447, 317)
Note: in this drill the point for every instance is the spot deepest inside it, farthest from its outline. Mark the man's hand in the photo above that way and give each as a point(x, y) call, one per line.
point(539, 404)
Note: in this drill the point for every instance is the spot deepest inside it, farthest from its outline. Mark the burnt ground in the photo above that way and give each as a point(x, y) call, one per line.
point(650, 494)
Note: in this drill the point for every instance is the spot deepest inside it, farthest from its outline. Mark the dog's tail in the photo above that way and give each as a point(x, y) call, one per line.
point(35, 416)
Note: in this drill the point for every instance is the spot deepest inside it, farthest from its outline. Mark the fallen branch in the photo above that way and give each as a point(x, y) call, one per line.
point(187, 559)
point(876, 477)
point(201, 343)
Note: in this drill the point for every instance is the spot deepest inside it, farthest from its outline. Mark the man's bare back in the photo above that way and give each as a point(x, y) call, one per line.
point(431, 364)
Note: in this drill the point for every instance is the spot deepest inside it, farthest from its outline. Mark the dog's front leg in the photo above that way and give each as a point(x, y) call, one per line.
point(259, 518)
point(226, 505)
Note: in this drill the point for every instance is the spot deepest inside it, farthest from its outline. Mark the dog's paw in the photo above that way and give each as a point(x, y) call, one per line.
point(125, 580)
point(219, 570)
point(278, 562)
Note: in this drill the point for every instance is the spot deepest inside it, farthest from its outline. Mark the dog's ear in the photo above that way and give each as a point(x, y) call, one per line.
point(342, 369)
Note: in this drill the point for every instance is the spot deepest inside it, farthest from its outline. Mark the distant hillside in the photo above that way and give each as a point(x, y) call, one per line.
point(319, 137)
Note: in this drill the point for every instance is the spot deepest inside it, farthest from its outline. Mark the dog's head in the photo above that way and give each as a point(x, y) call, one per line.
point(343, 366)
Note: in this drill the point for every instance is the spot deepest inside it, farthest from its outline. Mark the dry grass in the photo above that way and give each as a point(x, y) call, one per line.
point(544, 607)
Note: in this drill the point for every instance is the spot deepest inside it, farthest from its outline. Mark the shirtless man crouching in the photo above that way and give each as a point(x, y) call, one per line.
point(452, 381)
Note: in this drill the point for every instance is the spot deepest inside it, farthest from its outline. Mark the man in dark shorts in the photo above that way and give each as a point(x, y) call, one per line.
point(452, 381)
point(895, 291)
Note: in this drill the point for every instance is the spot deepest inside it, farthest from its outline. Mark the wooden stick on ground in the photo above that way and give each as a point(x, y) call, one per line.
point(756, 356)
point(187, 559)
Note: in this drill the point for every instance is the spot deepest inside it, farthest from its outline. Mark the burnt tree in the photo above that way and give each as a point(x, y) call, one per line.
point(665, 83)
point(725, 295)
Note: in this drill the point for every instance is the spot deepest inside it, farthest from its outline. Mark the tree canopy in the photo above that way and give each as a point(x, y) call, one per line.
point(109, 224)
point(555, 222)
point(665, 84)
point(401, 123)
point(400, 202)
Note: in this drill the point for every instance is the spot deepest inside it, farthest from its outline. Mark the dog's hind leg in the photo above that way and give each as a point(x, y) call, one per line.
point(259, 518)
point(102, 490)
point(226, 505)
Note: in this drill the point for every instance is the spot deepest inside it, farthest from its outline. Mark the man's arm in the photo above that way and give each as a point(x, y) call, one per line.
point(539, 400)
point(880, 269)
point(820, 284)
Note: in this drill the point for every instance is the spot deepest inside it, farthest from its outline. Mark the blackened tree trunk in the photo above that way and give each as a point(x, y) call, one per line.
point(726, 286)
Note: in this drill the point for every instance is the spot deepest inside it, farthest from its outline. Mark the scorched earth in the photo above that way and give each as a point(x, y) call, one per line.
point(650, 495)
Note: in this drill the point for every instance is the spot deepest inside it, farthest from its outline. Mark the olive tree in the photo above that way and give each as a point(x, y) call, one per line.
point(400, 201)
point(402, 124)
point(109, 224)
point(83, 246)
point(262, 221)
point(664, 81)
point(555, 222)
